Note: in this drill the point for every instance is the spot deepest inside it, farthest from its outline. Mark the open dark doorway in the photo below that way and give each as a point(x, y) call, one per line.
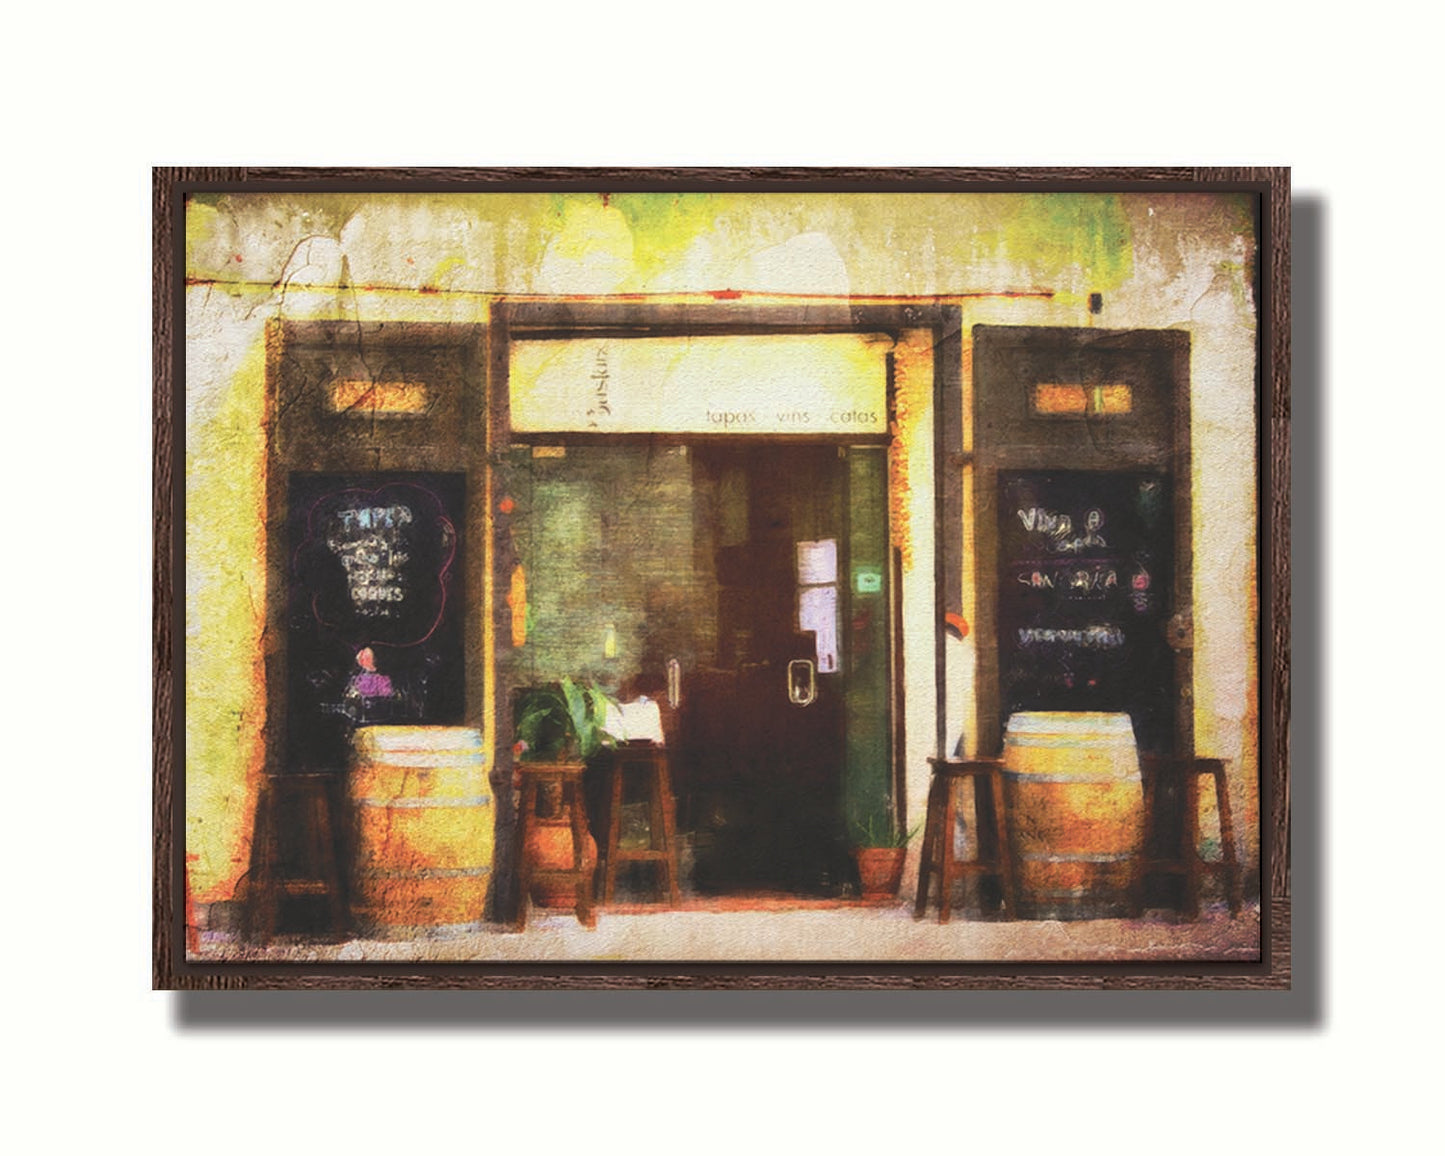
point(743, 587)
point(761, 740)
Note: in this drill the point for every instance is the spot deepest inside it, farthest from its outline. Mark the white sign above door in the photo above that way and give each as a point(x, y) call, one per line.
point(827, 383)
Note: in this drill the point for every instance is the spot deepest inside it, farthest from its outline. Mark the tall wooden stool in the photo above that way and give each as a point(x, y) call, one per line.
point(1186, 862)
point(305, 800)
point(651, 760)
point(938, 859)
point(567, 778)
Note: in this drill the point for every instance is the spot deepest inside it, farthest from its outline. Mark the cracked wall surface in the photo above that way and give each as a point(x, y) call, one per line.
point(1183, 261)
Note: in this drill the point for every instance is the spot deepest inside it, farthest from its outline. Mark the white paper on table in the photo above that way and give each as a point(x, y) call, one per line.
point(628, 721)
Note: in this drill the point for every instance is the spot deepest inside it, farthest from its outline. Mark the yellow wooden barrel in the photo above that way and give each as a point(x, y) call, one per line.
point(1075, 811)
point(422, 820)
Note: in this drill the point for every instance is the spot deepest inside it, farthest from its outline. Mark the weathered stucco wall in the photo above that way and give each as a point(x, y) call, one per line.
point(1160, 261)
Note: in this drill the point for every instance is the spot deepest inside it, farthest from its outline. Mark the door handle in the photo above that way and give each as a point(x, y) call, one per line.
point(802, 682)
point(674, 683)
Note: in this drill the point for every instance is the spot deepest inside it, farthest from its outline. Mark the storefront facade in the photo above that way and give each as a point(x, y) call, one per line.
point(799, 468)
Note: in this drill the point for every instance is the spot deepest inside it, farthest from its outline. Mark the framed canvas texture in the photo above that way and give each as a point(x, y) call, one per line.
point(721, 578)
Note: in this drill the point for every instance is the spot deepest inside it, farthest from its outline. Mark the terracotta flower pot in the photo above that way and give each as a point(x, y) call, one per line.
point(550, 848)
point(880, 870)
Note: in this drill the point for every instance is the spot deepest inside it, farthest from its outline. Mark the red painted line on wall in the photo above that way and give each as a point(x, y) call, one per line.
point(711, 294)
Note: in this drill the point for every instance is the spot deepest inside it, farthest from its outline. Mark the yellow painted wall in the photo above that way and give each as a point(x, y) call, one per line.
point(1160, 261)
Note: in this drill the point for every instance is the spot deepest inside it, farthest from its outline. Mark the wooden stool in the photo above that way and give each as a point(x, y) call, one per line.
point(651, 760)
point(938, 835)
point(567, 777)
point(1186, 861)
point(306, 798)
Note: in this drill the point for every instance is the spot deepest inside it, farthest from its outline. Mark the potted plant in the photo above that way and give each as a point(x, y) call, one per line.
point(879, 850)
point(562, 723)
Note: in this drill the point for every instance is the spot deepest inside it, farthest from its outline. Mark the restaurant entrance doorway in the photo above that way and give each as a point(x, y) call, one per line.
point(744, 587)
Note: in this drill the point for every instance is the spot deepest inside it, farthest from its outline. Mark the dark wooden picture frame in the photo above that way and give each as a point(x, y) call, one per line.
point(175, 968)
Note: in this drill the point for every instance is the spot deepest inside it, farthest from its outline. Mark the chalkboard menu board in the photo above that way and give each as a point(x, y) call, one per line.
point(1085, 575)
point(374, 608)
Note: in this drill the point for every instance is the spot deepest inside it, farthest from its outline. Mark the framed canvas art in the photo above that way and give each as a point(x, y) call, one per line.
point(721, 578)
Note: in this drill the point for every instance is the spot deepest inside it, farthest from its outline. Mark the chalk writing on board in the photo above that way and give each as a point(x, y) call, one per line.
point(371, 545)
point(1073, 579)
point(1059, 528)
point(373, 633)
point(1089, 637)
point(390, 553)
point(1084, 580)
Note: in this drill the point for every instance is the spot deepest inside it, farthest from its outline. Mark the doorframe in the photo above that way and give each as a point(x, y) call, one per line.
point(532, 318)
point(992, 455)
point(293, 350)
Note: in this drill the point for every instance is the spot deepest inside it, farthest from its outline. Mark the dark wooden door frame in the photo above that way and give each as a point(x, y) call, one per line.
point(533, 319)
point(990, 456)
point(459, 451)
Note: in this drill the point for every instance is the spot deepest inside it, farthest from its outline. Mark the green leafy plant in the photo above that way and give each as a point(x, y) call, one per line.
point(882, 833)
point(566, 719)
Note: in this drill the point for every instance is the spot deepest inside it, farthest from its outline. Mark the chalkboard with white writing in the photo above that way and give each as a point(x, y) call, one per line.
point(1085, 574)
point(374, 608)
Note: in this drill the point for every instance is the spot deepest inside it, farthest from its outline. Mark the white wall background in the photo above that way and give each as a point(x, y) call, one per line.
point(94, 99)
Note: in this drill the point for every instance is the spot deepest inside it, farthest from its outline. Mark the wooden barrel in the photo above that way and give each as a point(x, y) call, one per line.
point(422, 823)
point(1075, 810)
